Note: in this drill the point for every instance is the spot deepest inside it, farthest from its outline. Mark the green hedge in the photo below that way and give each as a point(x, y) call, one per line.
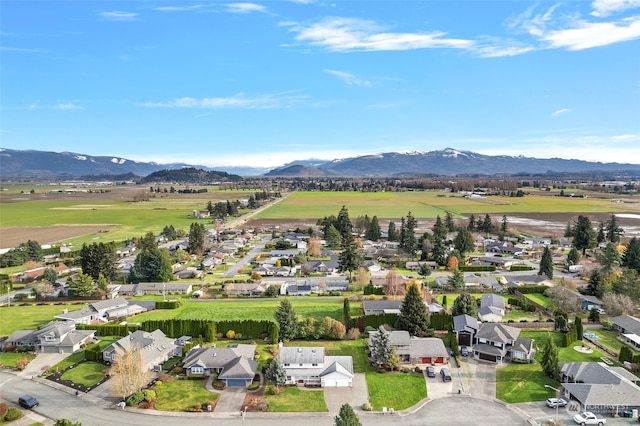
point(514, 301)
point(477, 268)
point(110, 329)
point(529, 289)
point(515, 268)
point(175, 328)
point(376, 321)
point(370, 289)
point(249, 329)
point(441, 321)
point(93, 353)
point(169, 304)
point(626, 354)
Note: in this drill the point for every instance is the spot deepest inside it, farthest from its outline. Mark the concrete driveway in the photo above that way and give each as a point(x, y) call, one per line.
point(231, 400)
point(477, 378)
point(436, 388)
point(355, 395)
point(42, 362)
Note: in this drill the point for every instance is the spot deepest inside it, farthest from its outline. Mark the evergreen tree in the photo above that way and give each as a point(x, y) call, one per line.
point(609, 258)
point(380, 346)
point(347, 417)
point(439, 250)
point(333, 237)
point(99, 258)
point(169, 232)
point(573, 257)
point(408, 242)
point(546, 263)
point(628, 284)
point(147, 242)
point(471, 226)
point(584, 237)
point(613, 230)
point(392, 233)
point(276, 373)
point(600, 236)
point(465, 304)
point(350, 258)
point(151, 265)
point(343, 223)
point(81, 286)
point(631, 256)
point(50, 275)
point(196, 238)
point(577, 324)
point(456, 279)
point(487, 224)
point(463, 242)
point(374, 232)
point(449, 222)
point(550, 359)
point(287, 320)
point(594, 315)
point(413, 314)
point(504, 226)
point(346, 313)
point(596, 284)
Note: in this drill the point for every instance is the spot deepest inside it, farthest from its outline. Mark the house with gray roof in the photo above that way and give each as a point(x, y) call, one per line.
point(55, 337)
point(416, 350)
point(155, 348)
point(495, 342)
point(309, 366)
point(492, 308)
point(465, 327)
point(234, 364)
point(629, 328)
point(97, 312)
point(599, 387)
point(379, 307)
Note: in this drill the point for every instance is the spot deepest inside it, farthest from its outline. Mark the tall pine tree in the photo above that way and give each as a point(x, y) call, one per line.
point(413, 314)
point(287, 320)
point(546, 263)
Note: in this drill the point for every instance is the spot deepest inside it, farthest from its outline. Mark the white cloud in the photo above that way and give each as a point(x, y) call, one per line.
point(628, 137)
point(245, 8)
point(118, 16)
point(349, 79)
point(67, 106)
point(349, 34)
point(179, 8)
point(19, 49)
point(560, 112)
point(602, 8)
point(239, 101)
point(586, 35)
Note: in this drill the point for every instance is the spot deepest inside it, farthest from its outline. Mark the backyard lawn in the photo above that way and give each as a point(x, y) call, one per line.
point(540, 299)
point(183, 395)
point(395, 390)
point(88, 374)
point(294, 399)
point(525, 382)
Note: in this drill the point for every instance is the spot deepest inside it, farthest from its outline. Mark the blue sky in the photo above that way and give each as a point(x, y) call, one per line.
point(264, 83)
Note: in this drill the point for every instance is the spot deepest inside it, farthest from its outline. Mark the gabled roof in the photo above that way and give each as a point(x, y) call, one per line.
point(381, 305)
point(396, 337)
point(492, 300)
point(496, 332)
point(622, 394)
point(523, 344)
point(239, 368)
point(427, 347)
point(488, 310)
point(465, 323)
point(214, 357)
point(590, 372)
point(342, 368)
point(109, 304)
point(628, 323)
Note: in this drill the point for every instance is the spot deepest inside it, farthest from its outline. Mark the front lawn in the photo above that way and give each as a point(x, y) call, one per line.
point(87, 374)
point(525, 382)
point(395, 390)
point(294, 399)
point(68, 362)
point(182, 395)
point(8, 359)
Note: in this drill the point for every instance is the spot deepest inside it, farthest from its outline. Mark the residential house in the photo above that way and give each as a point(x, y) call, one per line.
point(97, 312)
point(155, 348)
point(495, 342)
point(415, 266)
point(600, 387)
point(157, 289)
point(629, 328)
point(309, 366)
point(378, 307)
point(372, 266)
point(465, 327)
point(55, 337)
point(234, 364)
point(245, 289)
point(416, 350)
point(474, 281)
point(330, 266)
point(492, 308)
point(296, 290)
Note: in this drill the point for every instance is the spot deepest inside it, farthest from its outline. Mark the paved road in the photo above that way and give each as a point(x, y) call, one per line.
point(255, 251)
point(56, 404)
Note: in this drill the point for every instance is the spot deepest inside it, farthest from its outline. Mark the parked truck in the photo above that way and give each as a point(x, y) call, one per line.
point(588, 418)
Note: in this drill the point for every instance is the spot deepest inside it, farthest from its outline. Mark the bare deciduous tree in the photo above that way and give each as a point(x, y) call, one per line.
point(128, 375)
point(362, 277)
point(618, 304)
point(394, 285)
point(314, 247)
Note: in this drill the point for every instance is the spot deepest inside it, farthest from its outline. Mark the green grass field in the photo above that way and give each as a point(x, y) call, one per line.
point(8, 359)
point(540, 299)
point(294, 399)
point(395, 390)
point(87, 374)
point(309, 205)
point(29, 317)
point(258, 309)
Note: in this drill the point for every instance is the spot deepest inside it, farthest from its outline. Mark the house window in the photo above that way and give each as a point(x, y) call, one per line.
point(197, 370)
point(315, 364)
point(49, 338)
point(287, 364)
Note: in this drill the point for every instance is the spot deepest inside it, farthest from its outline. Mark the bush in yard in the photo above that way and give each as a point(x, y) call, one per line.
point(353, 334)
point(197, 407)
point(418, 369)
point(149, 395)
point(262, 404)
point(3, 410)
point(135, 399)
point(12, 414)
point(367, 406)
point(21, 364)
point(231, 334)
point(271, 390)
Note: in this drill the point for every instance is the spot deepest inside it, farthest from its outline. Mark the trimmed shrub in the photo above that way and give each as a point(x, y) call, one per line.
point(12, 414)
point(149, 394)
point(135, 399)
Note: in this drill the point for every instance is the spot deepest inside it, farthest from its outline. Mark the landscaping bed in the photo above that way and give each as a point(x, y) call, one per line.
point(82, 375)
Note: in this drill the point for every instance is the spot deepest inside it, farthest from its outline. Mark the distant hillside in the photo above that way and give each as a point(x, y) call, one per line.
point(190, 175)
point(447, 162)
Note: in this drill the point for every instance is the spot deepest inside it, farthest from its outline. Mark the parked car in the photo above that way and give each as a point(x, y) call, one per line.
point(464, 351)
point(556, 402)
point(431, 372)
point(27, 401)
point(446, 375)
point(588, 418)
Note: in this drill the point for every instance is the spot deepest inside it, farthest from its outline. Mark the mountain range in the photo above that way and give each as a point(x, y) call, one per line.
point(24, 164)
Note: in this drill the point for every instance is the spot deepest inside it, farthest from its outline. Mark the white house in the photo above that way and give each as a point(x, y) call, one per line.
point(309, 366)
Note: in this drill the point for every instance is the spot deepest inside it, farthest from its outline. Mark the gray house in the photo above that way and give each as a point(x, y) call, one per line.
point(235, 364)
point(98, 312)
point(465, 327)
point(417, 350)
point(495, 342)
point(155, 348)
point(378, 307)
point(55, 337)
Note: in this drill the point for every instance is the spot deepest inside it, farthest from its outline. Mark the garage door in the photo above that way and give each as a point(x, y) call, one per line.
point(332, 383)
point(464, 339)
point(440, 360)
point(236, 383)
point(487, 357)
point(426, 360)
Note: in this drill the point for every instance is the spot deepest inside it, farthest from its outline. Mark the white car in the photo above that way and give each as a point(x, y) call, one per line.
point(556, 402)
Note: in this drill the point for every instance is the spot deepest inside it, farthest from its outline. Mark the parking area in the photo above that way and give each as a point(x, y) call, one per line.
point(356, 395)
point(436, 387)
point(477, 378)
